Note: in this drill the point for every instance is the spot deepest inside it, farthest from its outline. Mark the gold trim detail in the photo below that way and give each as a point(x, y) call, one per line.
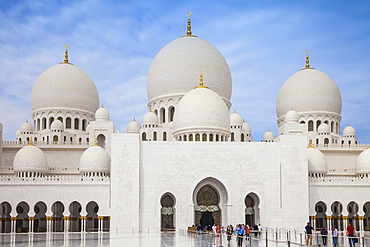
point(83, 217)
point(345, 217)
point(361, 217)
point(313, 217)
point(13, 218)
point(31, 218)
point(329, 217)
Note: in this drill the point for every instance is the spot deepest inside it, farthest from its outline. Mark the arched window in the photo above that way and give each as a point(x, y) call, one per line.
point(211, 137)
point(332, 127)
point(318, 123)
point(232, 137)
point(38, 124)
point(154, 136)
point(217, 138)
point(68, 123)
point(302, 122)
point(204, 137)
point(185, 138)
point(326, 141)
point(242, 137)
point(164, 136)
point(197, 137)
point(51, 120)
point(156, 112)
point(101, 140)
point(43, 123)
point(320, 209)
point(171, 113)
point(191, 137)
point(162, 115)
point(55, 138)
point(77, 123)
point(84, 124)
point(310, 125)
point(222, 138)
point(143, 136)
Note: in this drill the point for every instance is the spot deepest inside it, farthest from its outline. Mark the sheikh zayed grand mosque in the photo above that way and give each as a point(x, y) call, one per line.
point(68, 169)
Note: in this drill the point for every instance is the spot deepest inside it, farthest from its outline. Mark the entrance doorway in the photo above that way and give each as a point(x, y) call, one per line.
point(207, 212)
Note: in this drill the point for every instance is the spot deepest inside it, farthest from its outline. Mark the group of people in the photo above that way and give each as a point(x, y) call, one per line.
point(334, 231)
point(243, 231)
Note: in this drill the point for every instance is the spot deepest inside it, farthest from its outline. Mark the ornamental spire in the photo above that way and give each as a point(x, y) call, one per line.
point(307, 60)
point(201, 82)
point(188, 32)
point(30, 143)
point(66, 55)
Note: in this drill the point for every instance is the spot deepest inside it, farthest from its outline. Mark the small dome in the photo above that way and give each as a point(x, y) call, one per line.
point(363, 162)
point(150, 118)
point(309, 90)
point(323, 128)
point(247, 128)
point(102, 114)
point(30, 159)
point(65, 86)
point(133, 127)
point(95, 159)
point(349, 131)
point(236, 119)
point(26, 127)
point(201, 109)
point(291, 116)
point(316, 161)
point(177, 65)
point(268, 136)
point(57, 125)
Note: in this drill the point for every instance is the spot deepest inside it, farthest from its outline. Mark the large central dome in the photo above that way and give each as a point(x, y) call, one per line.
point(65, 86)
point(178, 65)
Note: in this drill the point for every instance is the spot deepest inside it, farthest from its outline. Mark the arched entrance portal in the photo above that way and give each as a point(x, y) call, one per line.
point(167, 212)
point(252, 210)
point(207, 211)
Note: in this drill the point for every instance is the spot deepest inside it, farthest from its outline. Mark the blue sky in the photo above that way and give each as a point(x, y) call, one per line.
point(264, 42)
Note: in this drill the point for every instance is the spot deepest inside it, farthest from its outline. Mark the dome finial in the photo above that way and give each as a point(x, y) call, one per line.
point(188, 32)
point(201, 82)
point(310, 145)
point(66, 54)
point(96, 142)
point(30, 143)
point(307, 60)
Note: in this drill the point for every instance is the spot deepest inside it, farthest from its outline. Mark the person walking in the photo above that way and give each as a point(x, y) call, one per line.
point(334, 232)
point(324, 235)
point(229, 232)
point(308, 230)
point(351, 235)
point(240, 233)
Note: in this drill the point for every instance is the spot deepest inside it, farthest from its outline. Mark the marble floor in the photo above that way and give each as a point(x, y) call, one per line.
point(117, 239)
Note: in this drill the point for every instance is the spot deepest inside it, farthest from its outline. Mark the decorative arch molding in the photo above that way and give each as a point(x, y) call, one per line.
point(168, 212)
point(252, 209)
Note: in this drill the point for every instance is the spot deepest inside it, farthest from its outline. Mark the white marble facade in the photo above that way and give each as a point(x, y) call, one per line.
point(189, 162)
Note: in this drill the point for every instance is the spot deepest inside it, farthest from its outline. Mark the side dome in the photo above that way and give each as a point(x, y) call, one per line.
point(323, 129)
point(199, 110)
point(177, 65)
point(26, 128)
point(133, 127)
point(57, 125)
point(150, 118)
point(349, 131)
point(30, 159)
point(309, 90)
point(316, 161)
point(236, 119)
point(65, 86)
point(268, 136)
point(95, 159)
point(102, 114)
point(291, 116)
point(247, 128)
point(363, 162)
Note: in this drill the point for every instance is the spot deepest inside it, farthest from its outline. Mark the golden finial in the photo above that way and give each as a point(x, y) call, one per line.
point(307, 60)
point(150, 109)
point(188, 32)
point(96, 142)
point(310, 145)
point(201, 82)
point(134, 119)
point(30, 143)
point(234, 110)
point(66, 54)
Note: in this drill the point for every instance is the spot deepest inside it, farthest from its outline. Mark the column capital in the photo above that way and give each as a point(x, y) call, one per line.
point(13, 218)
point(329, 217)
point(31, 218)
point(312, 217)
point(361, 217)
point(66, 218)
point(83, 217)
point(100, 217)
point(345, 217)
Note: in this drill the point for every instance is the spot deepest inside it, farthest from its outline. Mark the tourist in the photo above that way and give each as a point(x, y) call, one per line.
point(259, 229)
point(351, 234)
point(255, 228)
point(229, 232)
point(247, 231)
point(240, 234)
point(324, 235)
point(308, 230)
point(334, 232)
point(214, 229)
point(218, 230)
